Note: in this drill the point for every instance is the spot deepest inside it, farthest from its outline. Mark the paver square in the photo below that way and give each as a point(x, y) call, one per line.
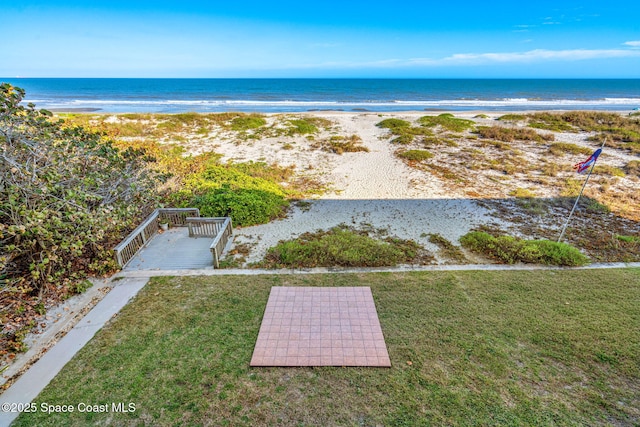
point(312, 326)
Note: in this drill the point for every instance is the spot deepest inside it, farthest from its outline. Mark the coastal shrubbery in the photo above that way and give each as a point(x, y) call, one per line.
point(505, 134)
point(67, 195)
point(245, 206)
point(415, 155)
point(511, 250)
point(343, 247)
point(447, 121)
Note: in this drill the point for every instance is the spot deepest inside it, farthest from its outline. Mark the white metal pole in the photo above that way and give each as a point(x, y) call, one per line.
point(564, 228)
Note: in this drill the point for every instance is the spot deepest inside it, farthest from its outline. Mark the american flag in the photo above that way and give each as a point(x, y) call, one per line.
point(584, 166)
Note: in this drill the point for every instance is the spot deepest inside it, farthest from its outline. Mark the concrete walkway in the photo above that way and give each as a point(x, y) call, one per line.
point(33, 381)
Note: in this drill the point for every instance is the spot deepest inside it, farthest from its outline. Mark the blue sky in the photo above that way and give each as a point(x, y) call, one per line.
point(326, 38)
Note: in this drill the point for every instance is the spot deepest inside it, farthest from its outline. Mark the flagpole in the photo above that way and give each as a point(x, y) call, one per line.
point(564, 228)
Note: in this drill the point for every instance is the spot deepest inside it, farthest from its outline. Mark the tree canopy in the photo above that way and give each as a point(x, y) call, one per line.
point(67, 195)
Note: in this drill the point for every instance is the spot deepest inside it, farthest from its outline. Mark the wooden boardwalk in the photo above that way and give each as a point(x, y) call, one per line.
point(173, 250)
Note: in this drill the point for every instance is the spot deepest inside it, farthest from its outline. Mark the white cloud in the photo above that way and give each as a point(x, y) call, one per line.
point(536, 55)
point(634, 43)
point(466, 59)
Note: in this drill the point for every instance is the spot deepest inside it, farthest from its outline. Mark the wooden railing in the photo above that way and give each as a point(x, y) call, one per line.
point(219, 228)
point(143, 233)
point(177, 217)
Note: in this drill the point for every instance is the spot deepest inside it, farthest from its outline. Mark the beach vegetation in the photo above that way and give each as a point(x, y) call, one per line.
point(403, 139)
point(394, 124)
point(511, 250)
point(562, 148)
point(406, 134)
point(522, 193)
point(633, 168)
point(245, 206)
point(301, 127)
point(339, 144)
point(344, 247)
point(506, 134)
point(628, 239)
point(499, 348)
point(512, 118)
point(430, 141)
point(248, 122)
point(448, 250)
point(481, 116)
point(415, 155)
point(527, 200)
point(447, 121)
point(622, 132)
point(602, 169)
point(67, 195)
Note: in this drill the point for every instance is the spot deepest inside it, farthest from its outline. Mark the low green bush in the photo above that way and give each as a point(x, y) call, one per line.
point(244, 206)
point(342, 247)
point(244, 123)
point(393, 124)
point(301, 127)
point(447, 121)
point(512, 118)
point(511, 250)
point(416, 155)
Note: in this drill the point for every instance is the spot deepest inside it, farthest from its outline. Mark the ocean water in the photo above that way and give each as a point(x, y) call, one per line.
point(296, 95)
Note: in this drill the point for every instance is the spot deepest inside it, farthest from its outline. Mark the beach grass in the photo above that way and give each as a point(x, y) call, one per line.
point(343, 246)
point(503, 348)
point(511, 250)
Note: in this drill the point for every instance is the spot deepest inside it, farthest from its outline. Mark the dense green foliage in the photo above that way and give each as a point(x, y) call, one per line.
point(66, 196)
point(250, 193)
point(342, 247)
point(245, 206)
point(511, 250)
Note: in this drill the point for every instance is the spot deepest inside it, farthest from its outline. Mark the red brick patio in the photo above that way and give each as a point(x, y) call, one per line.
point(313, 326)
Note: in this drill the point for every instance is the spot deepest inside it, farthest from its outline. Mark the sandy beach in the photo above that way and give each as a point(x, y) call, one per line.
point(472, 183)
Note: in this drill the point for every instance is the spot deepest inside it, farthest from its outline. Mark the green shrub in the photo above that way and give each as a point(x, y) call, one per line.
point(244, 123)
point(244, 206)
point(416, 155)
point(393, 124)
point(404, 139)
point(512, 118)
point(511, 250)
point(341, 247)
point(301, 127)
point(447, 121)
point(235, 176)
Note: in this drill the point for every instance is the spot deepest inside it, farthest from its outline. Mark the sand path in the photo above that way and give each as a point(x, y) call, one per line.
point(372, 189)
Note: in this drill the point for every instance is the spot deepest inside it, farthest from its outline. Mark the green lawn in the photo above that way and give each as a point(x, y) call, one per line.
point(467, 348)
